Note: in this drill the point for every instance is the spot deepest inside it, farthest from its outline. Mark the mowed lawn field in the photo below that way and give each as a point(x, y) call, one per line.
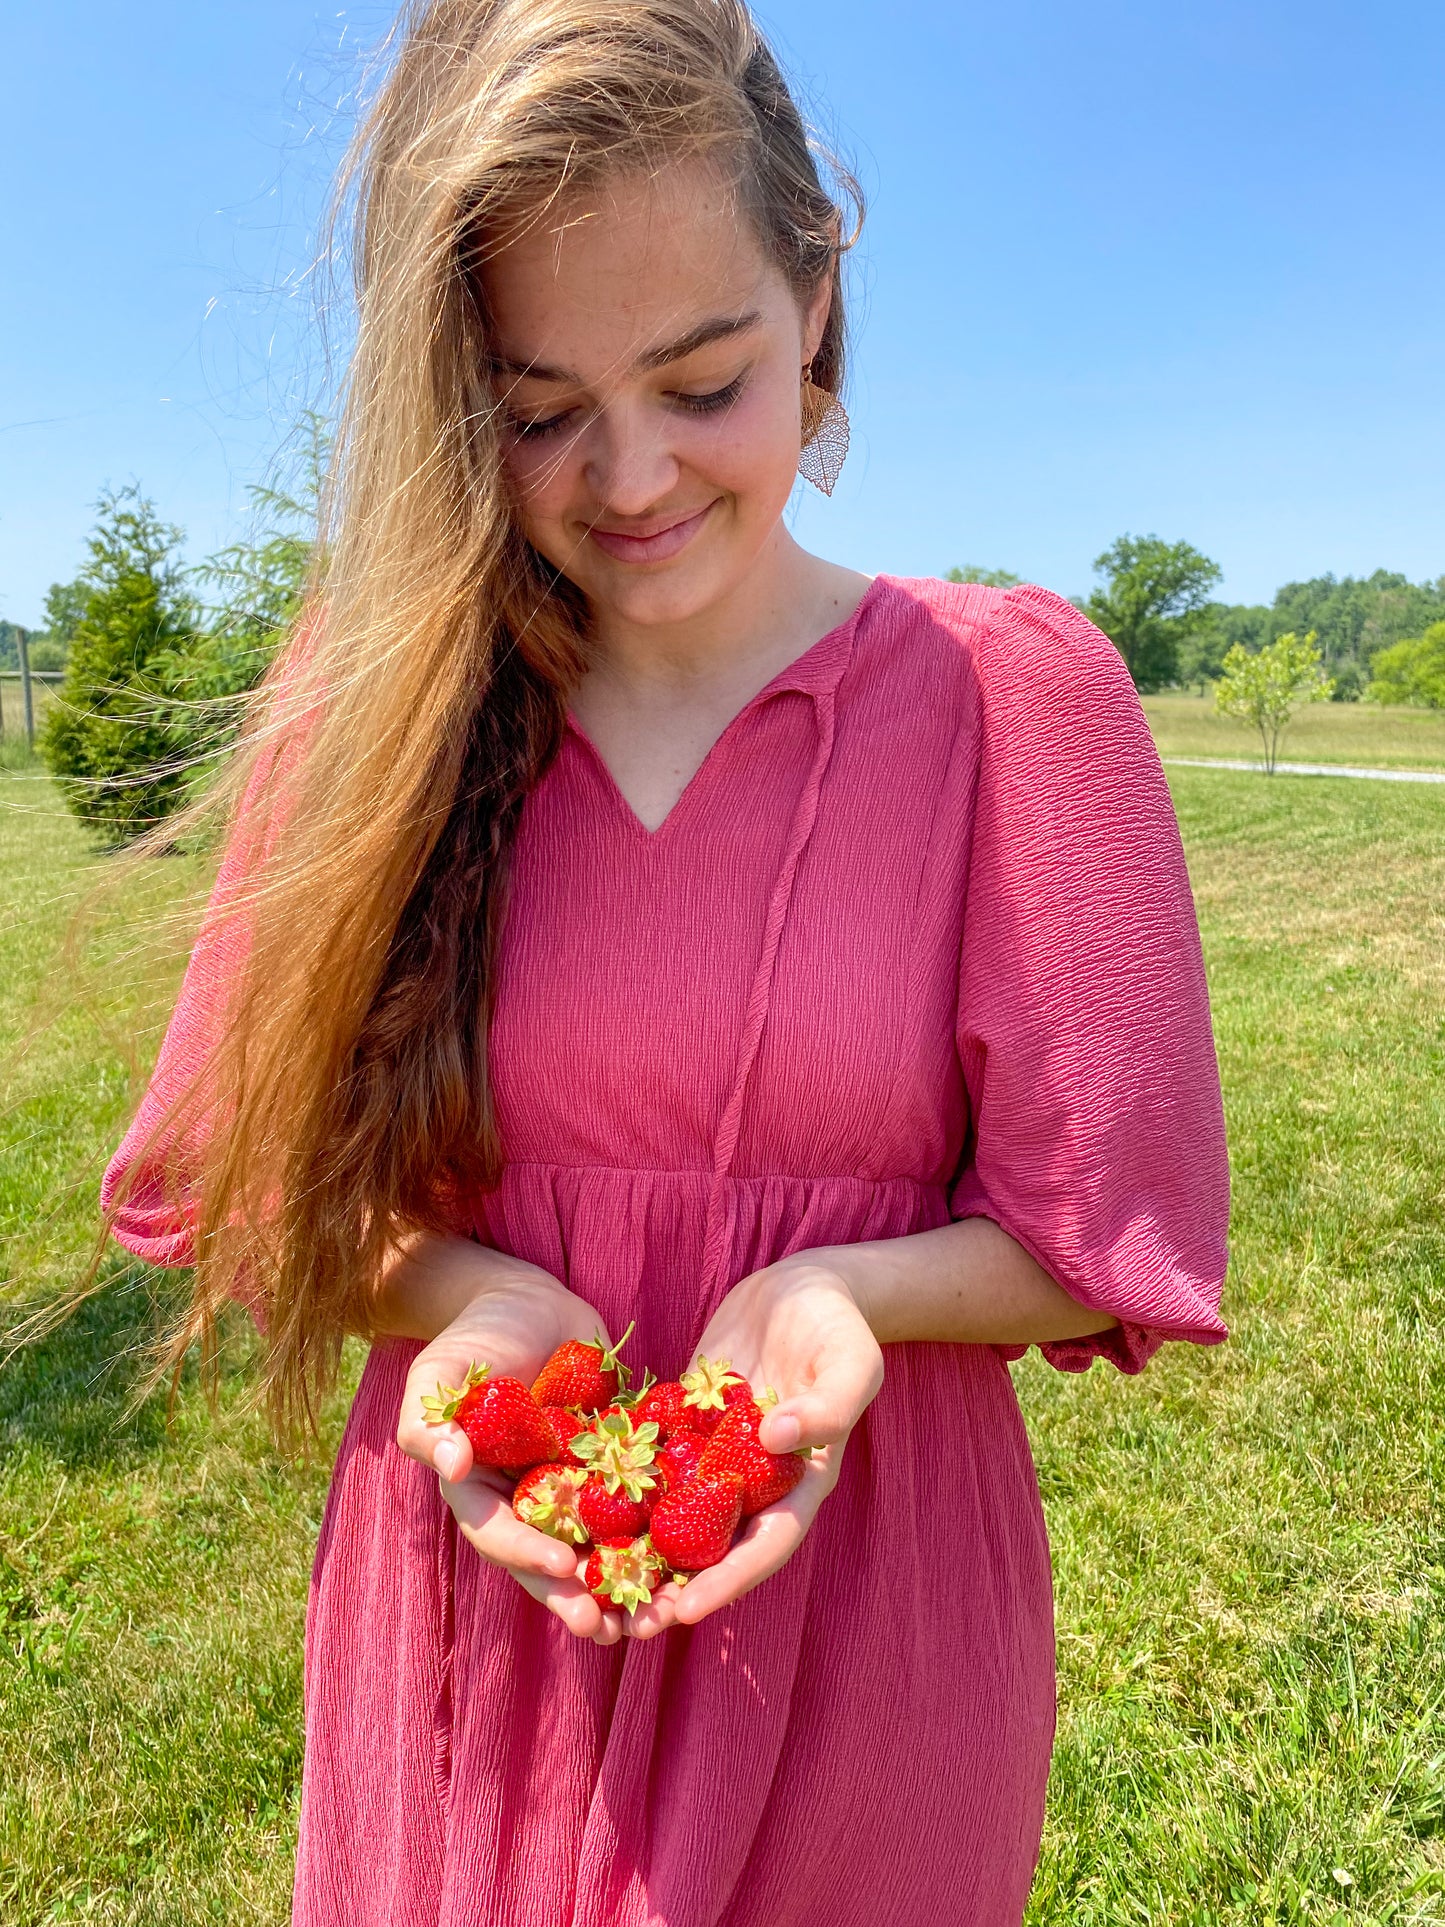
point(1250, 1566)
point(1367, 734)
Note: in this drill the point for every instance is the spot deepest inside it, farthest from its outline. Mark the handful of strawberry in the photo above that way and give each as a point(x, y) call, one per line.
point(657, 1481)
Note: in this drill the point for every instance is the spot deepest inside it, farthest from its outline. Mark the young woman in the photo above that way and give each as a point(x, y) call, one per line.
point(630, 917)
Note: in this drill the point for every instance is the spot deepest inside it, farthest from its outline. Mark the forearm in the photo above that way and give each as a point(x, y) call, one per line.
point(430, 1281)
point(966, 1283)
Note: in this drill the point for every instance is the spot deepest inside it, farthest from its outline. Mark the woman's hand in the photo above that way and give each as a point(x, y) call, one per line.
point(516, 1320)
point(794, 1328)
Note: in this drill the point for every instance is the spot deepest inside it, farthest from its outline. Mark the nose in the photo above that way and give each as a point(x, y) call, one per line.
point(630, 467)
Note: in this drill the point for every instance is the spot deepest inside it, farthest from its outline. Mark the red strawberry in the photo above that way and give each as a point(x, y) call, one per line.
point(619, 1452)
point(547, 1498)
point(710, 1388)
point(677, 1461)
point(504, 1424)
point(610, 1515)
point(585, 1376)
point(693, 1526)
point(735, 1448)
point(567, 1426)
point(665, 1406)
point(624, 1574)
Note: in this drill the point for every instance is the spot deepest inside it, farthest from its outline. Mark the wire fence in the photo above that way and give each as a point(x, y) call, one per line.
point(24, 693)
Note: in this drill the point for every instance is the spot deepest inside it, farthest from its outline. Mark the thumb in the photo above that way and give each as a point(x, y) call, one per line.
point(452, 1454)
point(445, 1448)
point(827, 1411)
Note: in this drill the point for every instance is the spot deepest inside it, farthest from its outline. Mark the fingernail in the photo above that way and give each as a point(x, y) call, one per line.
point(446, 1458)
point(784, 1433)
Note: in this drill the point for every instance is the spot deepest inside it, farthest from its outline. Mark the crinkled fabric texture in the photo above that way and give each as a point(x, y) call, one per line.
point(916, 943)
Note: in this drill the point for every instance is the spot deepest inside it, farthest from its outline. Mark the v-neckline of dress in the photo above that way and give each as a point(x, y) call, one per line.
point(816, 668)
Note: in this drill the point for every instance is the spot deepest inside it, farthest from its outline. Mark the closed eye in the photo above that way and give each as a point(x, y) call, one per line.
point(719, 398)
point(709, 404)
point(534, 431)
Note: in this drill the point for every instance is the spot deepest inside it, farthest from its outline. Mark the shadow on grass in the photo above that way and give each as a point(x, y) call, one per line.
point(69, 1393)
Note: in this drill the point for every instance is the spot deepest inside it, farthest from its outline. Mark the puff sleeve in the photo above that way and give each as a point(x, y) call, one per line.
point(155, 1217)
point(1096, 1136)
point(147, 1181)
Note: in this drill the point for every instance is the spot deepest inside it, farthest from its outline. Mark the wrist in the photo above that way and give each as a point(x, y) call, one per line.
point(843, 1267)
point(433, 1282)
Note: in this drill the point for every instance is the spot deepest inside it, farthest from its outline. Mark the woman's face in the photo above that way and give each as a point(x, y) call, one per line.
point(649, 359)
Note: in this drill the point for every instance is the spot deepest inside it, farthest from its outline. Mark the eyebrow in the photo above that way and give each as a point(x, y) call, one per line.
point(719, 328)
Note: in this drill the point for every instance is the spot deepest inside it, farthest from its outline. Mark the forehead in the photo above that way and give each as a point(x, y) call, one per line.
point(616, 269)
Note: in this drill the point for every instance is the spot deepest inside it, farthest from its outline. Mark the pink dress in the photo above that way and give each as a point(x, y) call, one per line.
point(916, 943)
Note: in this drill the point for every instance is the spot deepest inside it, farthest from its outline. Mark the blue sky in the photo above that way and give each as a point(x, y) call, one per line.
point(1173, 269)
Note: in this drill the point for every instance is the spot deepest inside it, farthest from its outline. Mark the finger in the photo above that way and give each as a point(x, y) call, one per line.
point(445, 1448)
point(570, 1602)
point(829, 1409)
point(611, 1628)
point(646, 1622)
point(769, 1542)
point(490, 1525)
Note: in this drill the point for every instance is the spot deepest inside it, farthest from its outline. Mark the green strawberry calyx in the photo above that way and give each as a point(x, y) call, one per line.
point(628, 1573)
point(551, 1505)
point(706, 1383)
point(620, 1453)
point(442, 1405)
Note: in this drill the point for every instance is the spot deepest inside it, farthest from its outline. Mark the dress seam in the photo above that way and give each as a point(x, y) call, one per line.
point(704, 1175)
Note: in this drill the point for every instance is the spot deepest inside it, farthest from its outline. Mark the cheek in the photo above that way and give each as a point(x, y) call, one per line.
point(544, 477)
point(753, 450)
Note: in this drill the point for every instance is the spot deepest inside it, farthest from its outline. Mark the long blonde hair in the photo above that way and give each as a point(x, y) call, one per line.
point(345, 1100)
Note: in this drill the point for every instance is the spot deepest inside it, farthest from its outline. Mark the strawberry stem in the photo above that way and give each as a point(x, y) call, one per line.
point(610, 1360)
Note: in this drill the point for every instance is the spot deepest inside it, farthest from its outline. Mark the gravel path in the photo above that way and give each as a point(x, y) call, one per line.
point(1313, 769)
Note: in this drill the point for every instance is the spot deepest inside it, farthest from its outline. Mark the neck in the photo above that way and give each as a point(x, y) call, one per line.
point(780, 607)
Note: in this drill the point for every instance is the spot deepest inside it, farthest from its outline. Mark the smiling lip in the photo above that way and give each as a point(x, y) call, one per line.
point(660, 546)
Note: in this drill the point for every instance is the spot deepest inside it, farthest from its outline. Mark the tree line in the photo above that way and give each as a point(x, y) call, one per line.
point(1380, 636)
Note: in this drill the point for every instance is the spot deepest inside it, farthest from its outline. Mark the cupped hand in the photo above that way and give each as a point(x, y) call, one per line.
point(514, 1326)
point(794, 1328)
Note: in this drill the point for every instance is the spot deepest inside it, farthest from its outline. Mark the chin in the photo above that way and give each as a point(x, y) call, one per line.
point(660, 597)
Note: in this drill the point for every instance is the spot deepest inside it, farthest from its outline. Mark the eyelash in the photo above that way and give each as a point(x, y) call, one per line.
point(712, 404)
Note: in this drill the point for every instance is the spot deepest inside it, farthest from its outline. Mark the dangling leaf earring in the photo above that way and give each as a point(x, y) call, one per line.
point(825, 435)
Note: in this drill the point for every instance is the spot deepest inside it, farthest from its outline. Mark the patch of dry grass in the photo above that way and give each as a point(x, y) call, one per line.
point(1360, 733)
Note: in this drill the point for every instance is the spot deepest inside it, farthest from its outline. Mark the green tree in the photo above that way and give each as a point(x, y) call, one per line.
point(1220, 626)
point(109, 736)
point(991, 578)
point(1412, 671)
point(1151, 603)
point(1265, 688)
point(1356, 617)
point(64, 611)
point(10, 634)
point(257, 586)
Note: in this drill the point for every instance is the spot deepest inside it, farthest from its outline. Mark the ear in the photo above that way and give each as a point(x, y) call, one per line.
point(815, 317)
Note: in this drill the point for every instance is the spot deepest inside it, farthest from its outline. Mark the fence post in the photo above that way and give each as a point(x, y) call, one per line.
point(25, 691)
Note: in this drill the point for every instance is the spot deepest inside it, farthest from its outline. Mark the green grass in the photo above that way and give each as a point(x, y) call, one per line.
point(1362, 733)
point(1251, 1575)
point(152, 1580)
